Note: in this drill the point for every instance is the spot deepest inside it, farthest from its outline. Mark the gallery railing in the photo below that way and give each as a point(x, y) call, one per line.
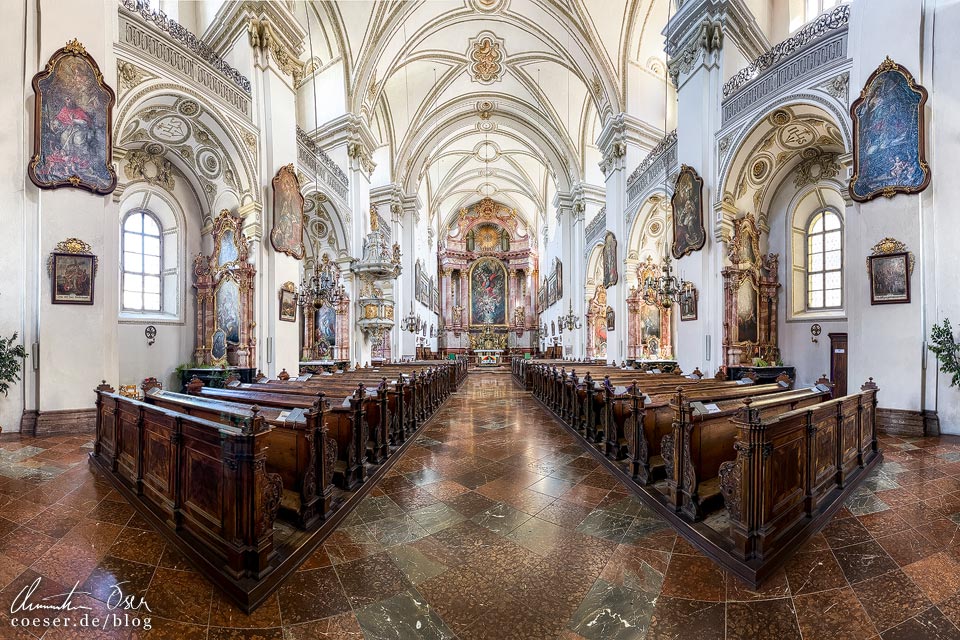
point(657, 164)
point(596, 228)
point(166, 43)
point(313, 159)
point(819, 45)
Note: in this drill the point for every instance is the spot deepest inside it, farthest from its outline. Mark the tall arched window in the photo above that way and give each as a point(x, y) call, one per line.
point(142, 246)
point(824, 261)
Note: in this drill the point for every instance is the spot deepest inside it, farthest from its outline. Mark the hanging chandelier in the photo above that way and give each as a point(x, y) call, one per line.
point(570, 321)
point(666, 289)
point(323, 285)
point(412, 322)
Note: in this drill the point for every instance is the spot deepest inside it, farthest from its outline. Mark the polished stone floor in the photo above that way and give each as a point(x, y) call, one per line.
point(497, 525)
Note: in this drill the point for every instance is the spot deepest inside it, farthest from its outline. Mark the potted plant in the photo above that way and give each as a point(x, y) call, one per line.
point(947, 350)
point(11, 363)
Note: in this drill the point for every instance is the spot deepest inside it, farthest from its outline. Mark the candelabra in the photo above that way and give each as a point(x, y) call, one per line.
point(323, 285)
point(666, 289)
point(570, 321)
point(412, 322)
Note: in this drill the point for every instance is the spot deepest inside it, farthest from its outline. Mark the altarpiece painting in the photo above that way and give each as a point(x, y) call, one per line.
point(72, 144)
point(611, 273)
point(488, 292)
point(889, 155)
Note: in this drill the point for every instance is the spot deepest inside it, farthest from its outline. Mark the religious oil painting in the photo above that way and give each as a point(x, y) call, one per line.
point(228, 309)
point(488, 292)
point(219, 348)
point(688, 305)
point(325, 321)
point(689, 234)
point(228, 248)
point(288, 303)
point(888, 135)
point(747, 312)
point(73, 277)
point(611, 274)
point(287, 234)
point(650, 321)
point(890, 278)
point(72, 145)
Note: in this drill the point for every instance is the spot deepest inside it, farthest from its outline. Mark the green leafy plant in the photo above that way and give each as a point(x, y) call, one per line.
point(947, 350)
point(11, 362)
point(760, 362)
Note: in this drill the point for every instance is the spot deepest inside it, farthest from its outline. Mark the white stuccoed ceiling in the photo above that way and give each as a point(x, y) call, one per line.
point(521, 127)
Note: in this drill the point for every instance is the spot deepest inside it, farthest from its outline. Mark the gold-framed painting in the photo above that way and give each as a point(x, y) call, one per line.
point(73, 278)
point(889, 278)
point(287, 233)
point(689, 233)
point(688, 305)
point(288, 302)
point(73, 122)
point(889, 139)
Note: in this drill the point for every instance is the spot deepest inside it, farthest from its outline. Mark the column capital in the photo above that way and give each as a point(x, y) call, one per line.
point(696, 33)
point(622, 134)
point(353, 132)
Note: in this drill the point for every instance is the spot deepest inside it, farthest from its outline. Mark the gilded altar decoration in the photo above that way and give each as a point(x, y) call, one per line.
point(224, 283)
point(73, 269)
point(889, 267)
point(287, 234)
point(486, 58)
point(288, 302)
point(488, 340)
point(689, 234)
point(611, 273)
point(889, 148)
point(73, 120)
point(488, 292)
point(597, 324)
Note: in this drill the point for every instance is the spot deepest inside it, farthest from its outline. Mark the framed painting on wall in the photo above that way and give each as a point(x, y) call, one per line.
point(288, 302)
point(889, 155)
point(287, 234)
point(889, 278)
point(688, 305)
point(72, 139)
point(73, 278)
point(611, 274)
point(689, 234)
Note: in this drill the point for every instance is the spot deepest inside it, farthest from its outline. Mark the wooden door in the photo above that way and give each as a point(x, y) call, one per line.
point(838, 363)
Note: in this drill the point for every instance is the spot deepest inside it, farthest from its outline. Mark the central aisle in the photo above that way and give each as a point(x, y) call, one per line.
point(497, 524)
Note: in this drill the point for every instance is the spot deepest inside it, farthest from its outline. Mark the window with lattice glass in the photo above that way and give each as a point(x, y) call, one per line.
point(142, 245)
point(825, 261)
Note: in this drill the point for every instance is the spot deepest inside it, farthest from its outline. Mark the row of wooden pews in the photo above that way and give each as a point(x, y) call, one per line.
point(215, 468)
point(769, 462)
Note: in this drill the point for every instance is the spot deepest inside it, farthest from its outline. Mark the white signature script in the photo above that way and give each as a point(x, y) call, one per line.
point(117, 599)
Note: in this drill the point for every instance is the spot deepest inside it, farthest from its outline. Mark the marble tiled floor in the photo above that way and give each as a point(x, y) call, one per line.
point(497, 525)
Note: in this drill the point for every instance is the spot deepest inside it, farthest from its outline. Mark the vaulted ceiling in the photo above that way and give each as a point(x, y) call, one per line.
point(500, 98)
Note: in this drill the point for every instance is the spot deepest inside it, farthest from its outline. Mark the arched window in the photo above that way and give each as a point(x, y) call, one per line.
point(142, 259)
point(824, 261)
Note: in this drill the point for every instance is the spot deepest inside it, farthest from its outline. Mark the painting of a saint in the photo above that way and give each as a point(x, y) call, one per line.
point(488, 292)
point(688, 305)
point(611, 275)
point(747, 312)
point(219, 348)
point(73, 278)
point(288, 303)
point(287, 234)
point(72, 134)
point(889, 278)
point(228, 248)
point(325, 320)
point(888, 148)
point(599, 328)
point(649, 321)
point(689, 234)
point(228, 309)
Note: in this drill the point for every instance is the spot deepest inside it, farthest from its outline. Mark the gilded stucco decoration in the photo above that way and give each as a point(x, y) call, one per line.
point(150, 165)
point(486, 56)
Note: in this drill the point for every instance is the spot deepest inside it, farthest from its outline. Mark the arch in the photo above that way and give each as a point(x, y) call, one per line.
point(649, 233)
point(807, 129)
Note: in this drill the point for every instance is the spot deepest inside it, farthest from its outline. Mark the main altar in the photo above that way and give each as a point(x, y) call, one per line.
point(488, 347)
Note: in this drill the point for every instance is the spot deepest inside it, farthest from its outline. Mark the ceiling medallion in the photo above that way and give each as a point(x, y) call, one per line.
point(486, 58)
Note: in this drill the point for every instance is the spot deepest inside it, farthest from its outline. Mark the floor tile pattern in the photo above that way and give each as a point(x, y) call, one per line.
point(496, 524)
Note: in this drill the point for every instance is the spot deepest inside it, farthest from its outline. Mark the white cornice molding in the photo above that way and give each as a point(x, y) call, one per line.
point(230, 22)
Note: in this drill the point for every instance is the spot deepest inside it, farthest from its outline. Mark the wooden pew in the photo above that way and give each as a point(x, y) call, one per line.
point(205, 481)
point(792, 470)
point(300, 448)
point(703, 438)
